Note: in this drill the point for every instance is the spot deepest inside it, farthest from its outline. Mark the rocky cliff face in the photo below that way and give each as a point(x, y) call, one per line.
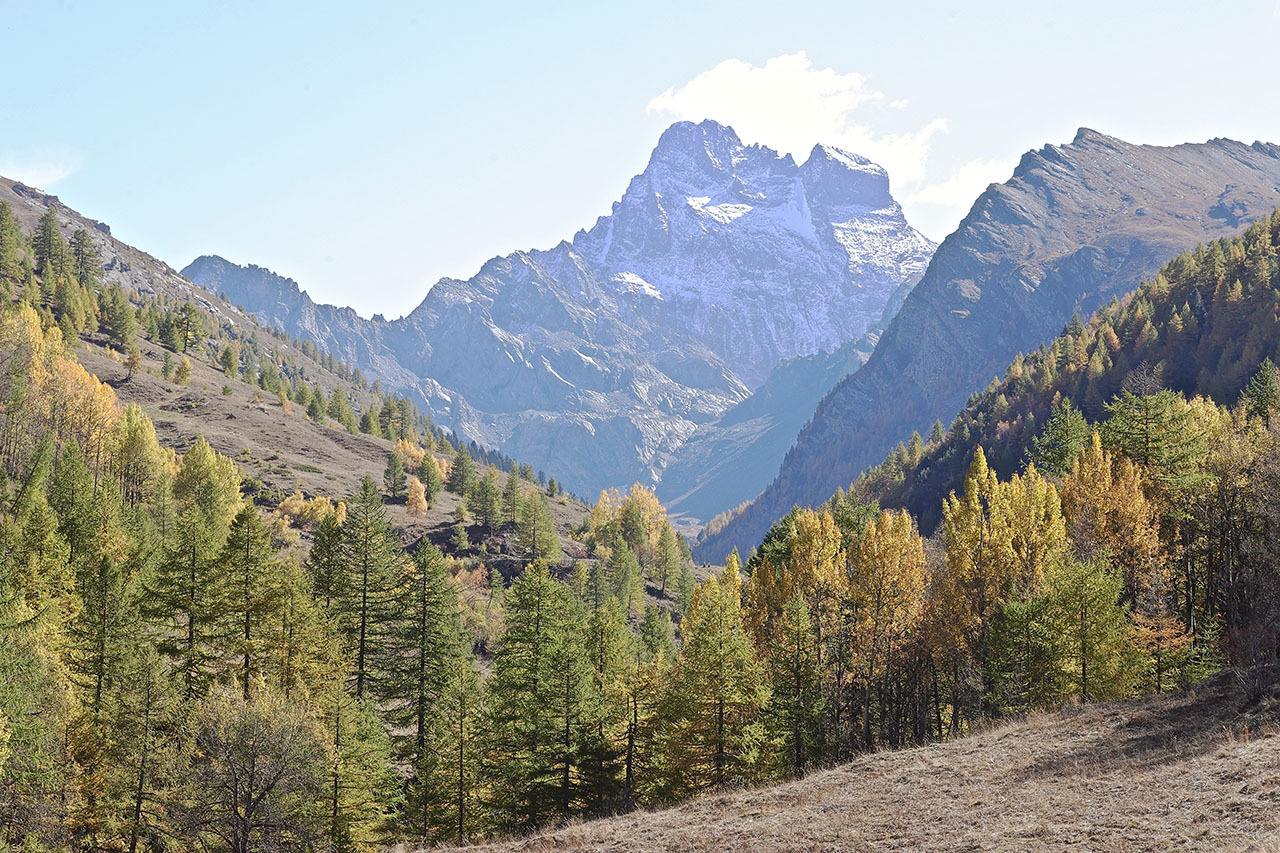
point(1076, 225)
point(599, 357)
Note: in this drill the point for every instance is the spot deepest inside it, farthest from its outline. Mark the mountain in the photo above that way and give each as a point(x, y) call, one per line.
point(1203, 326)
point(1076, 225)
point(736, 455)
point(599, 357)
point(129, 267)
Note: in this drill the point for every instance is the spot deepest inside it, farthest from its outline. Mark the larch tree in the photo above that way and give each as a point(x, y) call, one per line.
point(887, 585)
point(715, 734)
point(365, 611)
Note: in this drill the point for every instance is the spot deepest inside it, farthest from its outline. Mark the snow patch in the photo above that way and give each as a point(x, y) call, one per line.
point(722, 213)
point(632, 283)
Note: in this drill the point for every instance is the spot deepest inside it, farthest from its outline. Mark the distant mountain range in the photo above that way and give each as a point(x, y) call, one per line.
point(1076, 225)
point(602, 357)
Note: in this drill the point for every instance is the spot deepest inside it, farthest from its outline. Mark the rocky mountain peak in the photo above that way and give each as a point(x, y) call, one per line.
point(597, 358)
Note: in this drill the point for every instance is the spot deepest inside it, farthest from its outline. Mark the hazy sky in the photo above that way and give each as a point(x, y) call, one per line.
point(367, 150)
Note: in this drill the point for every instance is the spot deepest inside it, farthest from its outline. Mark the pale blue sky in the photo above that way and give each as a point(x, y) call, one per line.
point(369, 149)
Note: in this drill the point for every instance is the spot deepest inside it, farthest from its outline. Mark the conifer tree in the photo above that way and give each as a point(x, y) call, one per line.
point(979, 551)
point(360, 787)
point(937, 434)
point(667, 558)
point(542, 706)
point(1095, 637)
point(1159, 432)
point(795, 701)
point(715, 734)
point(1064, 434)
point(536, 534)
point(393, 477)
point(429, 475)
point(325, 562)
point(104, 586)
point(459, 543)
point(485, 499)
point(365, 608)
point(10, 244)
point(416, 498)
point(462, 475)
point(1262, 395)
point(257, 594)
point(429, 644)
point(511, 497)
point(624, 579)
point(887, 584)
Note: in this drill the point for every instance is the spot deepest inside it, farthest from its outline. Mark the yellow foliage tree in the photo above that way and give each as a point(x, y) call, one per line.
point(981, 561)
point(1108, 513)
point(1039, 529)
point(886, 596)
point(417, 499)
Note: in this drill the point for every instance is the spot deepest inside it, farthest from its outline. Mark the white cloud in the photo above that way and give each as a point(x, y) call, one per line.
point(965, 184)
point(40, 169)
point(790, 105)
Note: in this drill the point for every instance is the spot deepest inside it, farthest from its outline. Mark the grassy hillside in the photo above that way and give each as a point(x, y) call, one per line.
point(282, 451)
point(1184, 772)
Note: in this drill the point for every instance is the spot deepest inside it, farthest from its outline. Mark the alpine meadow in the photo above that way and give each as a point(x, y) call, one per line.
point(853, 465)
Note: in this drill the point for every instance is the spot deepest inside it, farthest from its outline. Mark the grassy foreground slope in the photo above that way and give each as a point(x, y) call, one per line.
point(1189, 771)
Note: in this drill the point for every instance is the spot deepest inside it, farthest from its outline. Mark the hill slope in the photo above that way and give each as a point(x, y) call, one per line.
point(1074, 226)
point(599, 357)
point(1185, 772)
point(1202, 326)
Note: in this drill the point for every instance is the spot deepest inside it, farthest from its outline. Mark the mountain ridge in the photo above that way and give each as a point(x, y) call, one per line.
point(600, 356)
point(1075, 225)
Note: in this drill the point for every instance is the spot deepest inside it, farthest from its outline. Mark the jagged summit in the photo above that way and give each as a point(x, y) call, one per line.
point(598, 357)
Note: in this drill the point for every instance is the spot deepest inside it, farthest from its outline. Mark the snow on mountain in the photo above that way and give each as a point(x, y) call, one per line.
point(596, 359)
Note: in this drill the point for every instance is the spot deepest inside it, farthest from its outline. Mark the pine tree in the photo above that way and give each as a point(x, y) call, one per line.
point(365, 609)
point(542, 706)
point(393, 477)
point(257, 594)
point(485, 500)
point(462, 475)
point(718, 690)
point(1262, 395)
point(1094, 637)
point(1064, 434)
point(511, 497)
point(429, 475)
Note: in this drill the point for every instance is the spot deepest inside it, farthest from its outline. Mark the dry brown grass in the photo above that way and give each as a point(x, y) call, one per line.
point(1185, 772)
